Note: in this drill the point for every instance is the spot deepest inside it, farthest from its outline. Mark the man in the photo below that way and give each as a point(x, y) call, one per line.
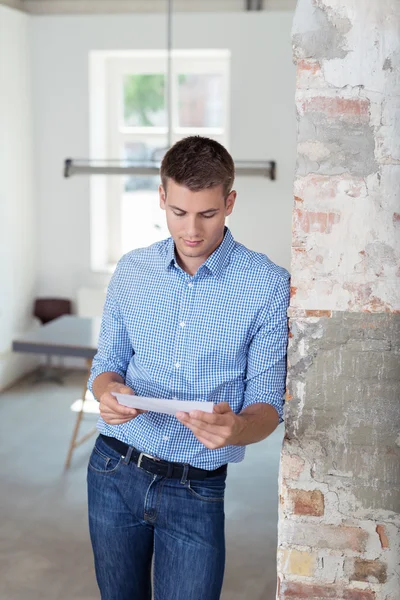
point(194, 317)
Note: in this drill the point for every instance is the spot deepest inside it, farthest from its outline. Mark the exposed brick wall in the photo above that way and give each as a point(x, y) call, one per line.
point(339, 525)
point(345, 221)
point(303, 502)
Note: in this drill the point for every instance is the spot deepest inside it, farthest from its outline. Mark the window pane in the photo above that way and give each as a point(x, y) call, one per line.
point(144, 101)
point(143, 150)
point(142, 220)
point(200, 100)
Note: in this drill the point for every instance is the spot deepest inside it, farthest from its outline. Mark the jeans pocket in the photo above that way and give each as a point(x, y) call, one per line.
point(101, 463)
point(208, 490)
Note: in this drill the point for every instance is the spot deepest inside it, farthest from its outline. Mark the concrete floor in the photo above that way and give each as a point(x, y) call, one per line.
point(45, 552)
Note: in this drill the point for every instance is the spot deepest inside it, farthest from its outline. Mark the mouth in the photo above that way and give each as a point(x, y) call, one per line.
point(192, 244)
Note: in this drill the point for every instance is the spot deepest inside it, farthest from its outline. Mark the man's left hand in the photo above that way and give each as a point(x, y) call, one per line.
point(215, 430)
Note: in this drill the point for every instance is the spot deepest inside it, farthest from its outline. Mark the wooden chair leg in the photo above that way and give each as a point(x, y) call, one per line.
point(74, 439)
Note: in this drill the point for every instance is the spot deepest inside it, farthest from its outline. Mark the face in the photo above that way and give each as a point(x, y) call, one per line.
point(195, 220)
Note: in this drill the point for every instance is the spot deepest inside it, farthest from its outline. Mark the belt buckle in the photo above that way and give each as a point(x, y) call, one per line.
point(141, 455)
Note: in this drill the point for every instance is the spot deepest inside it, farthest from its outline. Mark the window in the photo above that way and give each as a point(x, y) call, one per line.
point(129, 121)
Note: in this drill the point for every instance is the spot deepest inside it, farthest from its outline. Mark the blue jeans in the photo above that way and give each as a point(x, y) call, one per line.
point(134, 515)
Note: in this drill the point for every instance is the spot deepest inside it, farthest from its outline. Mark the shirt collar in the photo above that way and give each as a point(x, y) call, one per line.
point(170, 254)
point(214, 263)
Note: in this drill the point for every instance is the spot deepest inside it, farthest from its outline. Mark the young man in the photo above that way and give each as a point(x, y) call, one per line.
point(194, 317)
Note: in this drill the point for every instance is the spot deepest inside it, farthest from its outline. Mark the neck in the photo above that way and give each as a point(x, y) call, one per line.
point(192, 265)
point(189, 265)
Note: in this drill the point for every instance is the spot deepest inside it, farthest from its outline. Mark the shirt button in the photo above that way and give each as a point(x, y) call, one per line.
point(166, 438)
point(190, 285)
point(177, 365)
point(182, 324)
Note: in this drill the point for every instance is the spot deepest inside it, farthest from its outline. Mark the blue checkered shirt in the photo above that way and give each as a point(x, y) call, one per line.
point(219, 336)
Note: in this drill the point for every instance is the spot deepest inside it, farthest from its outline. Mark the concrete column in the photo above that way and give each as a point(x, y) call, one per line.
point(339, 526)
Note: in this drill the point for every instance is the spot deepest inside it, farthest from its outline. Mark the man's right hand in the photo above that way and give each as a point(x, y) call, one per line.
point(111, 411)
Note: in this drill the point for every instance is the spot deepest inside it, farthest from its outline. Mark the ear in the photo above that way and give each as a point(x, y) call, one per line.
point(163, 196)
point(230, 203)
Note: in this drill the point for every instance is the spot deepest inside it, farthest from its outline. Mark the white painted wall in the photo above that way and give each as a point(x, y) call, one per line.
point(263, 125)
point(18, 264)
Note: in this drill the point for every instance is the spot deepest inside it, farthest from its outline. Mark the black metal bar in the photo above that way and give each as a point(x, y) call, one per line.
point(72, 167)
point(254, 5)
point(67, 166)
point(272, 172)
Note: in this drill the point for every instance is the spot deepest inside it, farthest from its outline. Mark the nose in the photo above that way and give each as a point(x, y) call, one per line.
point(192, 228)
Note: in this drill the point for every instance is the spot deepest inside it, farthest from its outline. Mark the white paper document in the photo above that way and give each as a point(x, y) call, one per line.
point(161, 405)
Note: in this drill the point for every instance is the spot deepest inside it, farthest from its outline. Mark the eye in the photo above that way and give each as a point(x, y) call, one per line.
point(178, 214)
point(209, 216)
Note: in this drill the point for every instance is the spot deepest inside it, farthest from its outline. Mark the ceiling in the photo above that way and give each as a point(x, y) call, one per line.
point(124, 6)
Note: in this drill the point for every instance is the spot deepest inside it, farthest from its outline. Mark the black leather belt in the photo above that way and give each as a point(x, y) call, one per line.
point(158, 466)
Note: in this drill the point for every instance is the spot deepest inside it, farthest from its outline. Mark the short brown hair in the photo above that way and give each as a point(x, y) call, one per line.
point(198, 163)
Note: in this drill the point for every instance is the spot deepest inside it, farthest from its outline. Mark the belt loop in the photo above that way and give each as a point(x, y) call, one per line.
point(127, 458)
point(184, 474)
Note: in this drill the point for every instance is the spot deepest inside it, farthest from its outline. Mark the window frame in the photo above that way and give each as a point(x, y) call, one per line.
point(108, 132)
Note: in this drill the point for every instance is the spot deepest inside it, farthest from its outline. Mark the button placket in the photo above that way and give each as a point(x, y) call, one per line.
point(180, 336)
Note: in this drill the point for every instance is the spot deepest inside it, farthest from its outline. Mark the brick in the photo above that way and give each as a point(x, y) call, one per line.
point(309, 75)
point(318, 313)
point(354, 594)
point(369, 570)
point(362, 298)
point(299, 590)
point(381, 531)
point(316, 222)
point(292, 466)
point(316, 189)
point(296, 313)
point(338, 107)
point(309, 66)
point(296, 562)
point(304, 502)
point(317, 535)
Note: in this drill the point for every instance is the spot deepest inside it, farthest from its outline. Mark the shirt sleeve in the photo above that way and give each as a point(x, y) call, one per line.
point(266, 359)
point(114, 350)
